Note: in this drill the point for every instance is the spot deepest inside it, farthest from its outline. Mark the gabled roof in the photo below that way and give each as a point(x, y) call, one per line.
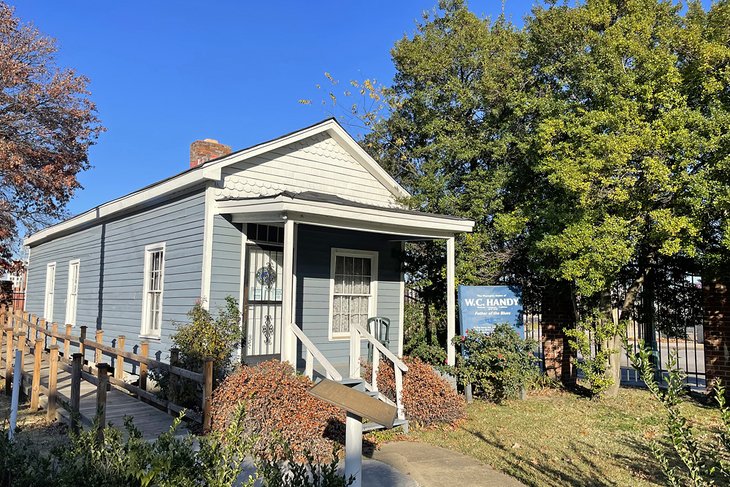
point(211, 170)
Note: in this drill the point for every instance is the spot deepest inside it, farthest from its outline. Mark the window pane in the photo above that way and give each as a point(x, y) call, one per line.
point(366, 267)
point(339, 265)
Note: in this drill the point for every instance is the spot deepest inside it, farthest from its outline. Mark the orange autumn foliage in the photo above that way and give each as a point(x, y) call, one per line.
point(428, 399)
point(277, 405)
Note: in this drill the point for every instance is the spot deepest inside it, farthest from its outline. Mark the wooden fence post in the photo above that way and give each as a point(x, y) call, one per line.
point(207, 393)
point(54, 331)
point(174, 361)
point(35, 390)
point(97, 351)
point(52, 381)
point(101, 388)
point(41, 324)
point(76, 391)
point(119, 366)
point(82, 338)
point(9, 358)
point(144, 349)
point(67, 342)
point(2, 334)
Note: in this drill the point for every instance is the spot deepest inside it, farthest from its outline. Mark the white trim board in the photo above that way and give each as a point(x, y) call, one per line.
point(345, 216)
point(211, 170)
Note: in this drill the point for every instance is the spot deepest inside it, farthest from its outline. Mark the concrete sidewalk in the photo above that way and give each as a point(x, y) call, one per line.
point(433, 466)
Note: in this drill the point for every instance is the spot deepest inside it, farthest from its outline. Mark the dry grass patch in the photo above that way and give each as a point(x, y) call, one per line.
point(557, 438)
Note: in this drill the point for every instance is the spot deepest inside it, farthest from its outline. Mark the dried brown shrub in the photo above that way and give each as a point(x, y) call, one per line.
point(427, 398)
point(277, 406)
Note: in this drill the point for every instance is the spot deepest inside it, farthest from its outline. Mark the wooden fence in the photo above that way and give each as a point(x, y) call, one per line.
point(34, 336)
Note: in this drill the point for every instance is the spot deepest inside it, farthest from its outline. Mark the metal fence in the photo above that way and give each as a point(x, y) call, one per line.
point(673, 329)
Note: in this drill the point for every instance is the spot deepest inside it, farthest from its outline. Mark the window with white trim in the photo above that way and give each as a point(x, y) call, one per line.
point(154, 279)
point(72, 293)
point(50, 291)
point(353, 281)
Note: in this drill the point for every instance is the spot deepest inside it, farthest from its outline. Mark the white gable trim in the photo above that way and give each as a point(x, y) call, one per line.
point(212, 171)
point(282, 207)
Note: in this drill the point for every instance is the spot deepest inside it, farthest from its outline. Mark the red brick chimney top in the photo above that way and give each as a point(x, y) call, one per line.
point(202, 151)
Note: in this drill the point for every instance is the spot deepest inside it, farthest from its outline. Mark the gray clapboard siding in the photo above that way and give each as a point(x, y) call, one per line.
point(314, 251)
point(226, 262)
point(112, 267)
point(83, 245)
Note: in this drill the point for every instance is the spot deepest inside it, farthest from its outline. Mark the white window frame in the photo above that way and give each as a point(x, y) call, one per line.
point(145, 330)
point(72, 300)
point(50, 294)
point(372, 301)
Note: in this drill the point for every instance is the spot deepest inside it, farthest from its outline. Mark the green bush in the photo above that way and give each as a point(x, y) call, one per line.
point(498, 365)
point(202, 337)
point(420, 337)
point(126, 459)
point(682, 455)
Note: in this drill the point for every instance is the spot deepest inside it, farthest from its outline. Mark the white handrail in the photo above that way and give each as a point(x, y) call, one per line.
point(315, 353)
point(357, 332)
point(383, 349)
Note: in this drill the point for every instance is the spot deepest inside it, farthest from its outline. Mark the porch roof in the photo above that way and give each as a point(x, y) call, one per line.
point(332, 211)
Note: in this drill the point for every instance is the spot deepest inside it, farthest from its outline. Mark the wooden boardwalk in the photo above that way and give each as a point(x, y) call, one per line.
point(150, 420)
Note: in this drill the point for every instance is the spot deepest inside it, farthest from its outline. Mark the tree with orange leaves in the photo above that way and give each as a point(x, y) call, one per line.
point(47, 124)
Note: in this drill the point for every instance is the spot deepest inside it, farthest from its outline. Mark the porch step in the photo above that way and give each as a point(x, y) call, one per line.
point(357, 384)
point(371, 426)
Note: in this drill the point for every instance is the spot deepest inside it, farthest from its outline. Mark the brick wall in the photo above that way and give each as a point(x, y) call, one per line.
point(716, 321)
point(557, 316)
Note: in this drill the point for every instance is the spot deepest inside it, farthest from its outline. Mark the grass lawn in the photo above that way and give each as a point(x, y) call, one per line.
point(558, 438)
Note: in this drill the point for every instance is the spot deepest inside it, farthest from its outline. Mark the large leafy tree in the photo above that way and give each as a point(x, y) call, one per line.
point(632, 143)
point(590, 146)
point(453, 134)
point(47, 124)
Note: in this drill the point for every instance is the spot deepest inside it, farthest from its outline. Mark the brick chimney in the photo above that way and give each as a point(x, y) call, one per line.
point(202, 151)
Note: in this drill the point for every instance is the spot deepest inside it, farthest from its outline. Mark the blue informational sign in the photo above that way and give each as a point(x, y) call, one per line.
point(481, 308)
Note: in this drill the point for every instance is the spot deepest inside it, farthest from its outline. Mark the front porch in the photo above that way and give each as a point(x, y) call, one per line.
point(315, 267)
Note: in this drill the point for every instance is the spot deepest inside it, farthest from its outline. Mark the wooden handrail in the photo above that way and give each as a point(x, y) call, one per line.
point(31, 330)
point(93, 345)
point(328, 367)
point(382, 348)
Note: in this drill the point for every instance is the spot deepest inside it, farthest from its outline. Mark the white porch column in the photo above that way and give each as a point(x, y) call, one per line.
point(450, 302)
point(288, 339)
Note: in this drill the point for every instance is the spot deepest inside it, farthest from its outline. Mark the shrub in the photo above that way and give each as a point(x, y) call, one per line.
point(277, 403)
point(427, 398)
point(420, 337)
point(683, 457)
point(203, 337)
point(498, 365)
point(125, 459)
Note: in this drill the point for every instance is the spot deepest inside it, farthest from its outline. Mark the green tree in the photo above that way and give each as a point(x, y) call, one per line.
point(451, 137)
point(590, 147)
point(631, 145)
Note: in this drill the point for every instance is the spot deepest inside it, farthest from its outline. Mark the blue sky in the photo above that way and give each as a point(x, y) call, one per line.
point(166, 73)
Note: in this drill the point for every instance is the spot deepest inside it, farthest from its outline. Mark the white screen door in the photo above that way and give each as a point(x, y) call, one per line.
point(263, 297)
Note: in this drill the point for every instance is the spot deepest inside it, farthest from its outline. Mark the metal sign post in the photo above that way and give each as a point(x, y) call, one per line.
point(358, 406)
point(353, 448)
point(16, 393)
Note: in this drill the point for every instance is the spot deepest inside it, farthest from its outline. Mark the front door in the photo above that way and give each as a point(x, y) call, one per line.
point(262, 303)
